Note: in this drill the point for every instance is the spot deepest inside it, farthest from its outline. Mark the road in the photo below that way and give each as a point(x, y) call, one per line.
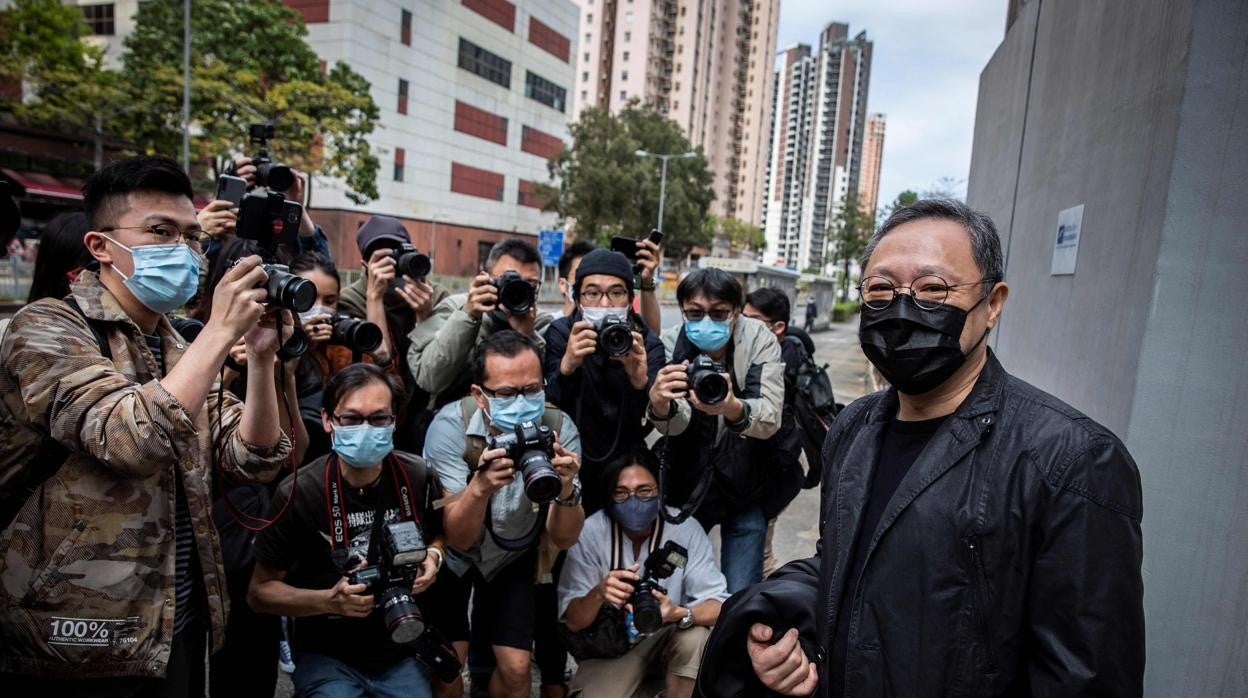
point(797, 527)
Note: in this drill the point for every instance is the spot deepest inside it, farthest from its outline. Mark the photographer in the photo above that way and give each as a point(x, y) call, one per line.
point(568, 262)
point(493, 520)
point(111, 437)
point(736, 390)
point(344, 643)
point(599, 371)
point(496, 301)
point(601, 578)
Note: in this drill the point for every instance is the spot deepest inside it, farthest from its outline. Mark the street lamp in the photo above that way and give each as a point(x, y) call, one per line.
point(663, 178)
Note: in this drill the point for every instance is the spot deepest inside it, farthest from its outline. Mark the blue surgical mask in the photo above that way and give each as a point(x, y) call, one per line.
point(507, 412)
point(635, 514)
point(363, 445)
point(165, 276)
point(707, 334)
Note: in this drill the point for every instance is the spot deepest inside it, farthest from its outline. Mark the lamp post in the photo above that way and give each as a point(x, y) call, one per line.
point(663, 178)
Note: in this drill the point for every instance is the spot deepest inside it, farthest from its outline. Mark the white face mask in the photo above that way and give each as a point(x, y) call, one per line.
point(312, 312)
point(596, 315)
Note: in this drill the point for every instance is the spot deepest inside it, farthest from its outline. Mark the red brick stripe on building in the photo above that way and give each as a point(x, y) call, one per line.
point(549, 40)
point(480, 123)
point(499, 12)
point(476, 182)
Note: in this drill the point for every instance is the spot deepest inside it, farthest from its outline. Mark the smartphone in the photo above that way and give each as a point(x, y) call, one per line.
point(231, 189)
point(656, 237)
point(625, 246)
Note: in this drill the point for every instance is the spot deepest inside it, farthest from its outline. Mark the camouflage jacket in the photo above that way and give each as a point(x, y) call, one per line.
point(87, 564)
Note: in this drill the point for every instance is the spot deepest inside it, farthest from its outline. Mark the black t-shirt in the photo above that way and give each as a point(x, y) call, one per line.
point(299, 543)
point(901, 446)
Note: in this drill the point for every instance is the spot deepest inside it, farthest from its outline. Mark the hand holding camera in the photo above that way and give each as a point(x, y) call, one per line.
point(648, 612)
point(670, 384)
point(238, 301)
point(635, 362)
point(582, 342)
point(418, 295)
point(349, 600)
point(617, 587)
point(317, 325)
point(482, 296)
point(265, 337)
point(218, 218)
point(711, 388)
point(495, 470)
point(380, 269)
point(545, 466)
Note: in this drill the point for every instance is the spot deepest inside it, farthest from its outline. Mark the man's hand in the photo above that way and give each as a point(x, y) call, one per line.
point(635, 363)
point(647, 260)
point(428, 572)
point(482, 296)
point(494, 472)
point(669, 611)
point(730, 407)
point(615, 588)
point(297, 190)
point(567, 464)
point(418, 294)
point(217, 219)
point(582, 342)
point(243, 168)
point(345, 600)
point(318, 329)
point(237, 303)
point(671, 384)
point(263, 340)
point(380, 272)
point(782, 666)
point(524, 323)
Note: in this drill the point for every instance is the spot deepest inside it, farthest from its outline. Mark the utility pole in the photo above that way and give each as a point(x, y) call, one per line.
point(663, 157)
point(186, 85)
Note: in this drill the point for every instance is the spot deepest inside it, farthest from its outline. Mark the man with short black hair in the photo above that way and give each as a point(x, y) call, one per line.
point(979, 536)
point(112, 432)
point(568, 262)
point(492, 524)
point(441, 345)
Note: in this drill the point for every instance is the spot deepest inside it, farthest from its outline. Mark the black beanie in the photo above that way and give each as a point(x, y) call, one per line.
point(603, 261)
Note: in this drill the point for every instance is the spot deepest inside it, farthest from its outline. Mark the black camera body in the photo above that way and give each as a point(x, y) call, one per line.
point(660, 564)
point(390, 580)
point(615, 336)
point(409, 262)
point(269, 174)
point(353, 333)
point(531, 447)
point(514, 293)
point(705, 380)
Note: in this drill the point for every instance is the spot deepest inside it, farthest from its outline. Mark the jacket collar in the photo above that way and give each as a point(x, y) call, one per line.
point(985, 397)
point(95, 300)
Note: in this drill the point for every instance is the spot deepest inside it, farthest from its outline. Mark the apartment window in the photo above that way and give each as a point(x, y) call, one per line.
point(625, 56)
point(542, 90)
point(589, 18)
point(585, 76)
point(587, 39)
point(628, 17)
point(628, 36)
point(99, 19)
point(584, 95)
point(405, 27)
point(624, 75)
point(475, 59)
point(402, 96)
point(400, 163)
point(623, 96)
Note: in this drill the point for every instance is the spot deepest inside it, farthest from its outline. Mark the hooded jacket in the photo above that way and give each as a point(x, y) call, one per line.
point(87, 565)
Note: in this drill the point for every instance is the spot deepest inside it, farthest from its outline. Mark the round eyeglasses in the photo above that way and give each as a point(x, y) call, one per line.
point(929, 291)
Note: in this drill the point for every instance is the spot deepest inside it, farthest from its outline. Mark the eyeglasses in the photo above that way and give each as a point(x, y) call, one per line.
point(615, 294)
point(169, 232)
point(374, 420)
point(929, 291)
point(697, 314)
point(647, 492)
point(531, 390)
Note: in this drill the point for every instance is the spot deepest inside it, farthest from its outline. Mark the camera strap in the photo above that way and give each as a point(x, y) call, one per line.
point(336, 505)
point(618, 538)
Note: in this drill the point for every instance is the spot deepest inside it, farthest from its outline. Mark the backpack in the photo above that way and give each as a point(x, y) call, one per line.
point(815, 407)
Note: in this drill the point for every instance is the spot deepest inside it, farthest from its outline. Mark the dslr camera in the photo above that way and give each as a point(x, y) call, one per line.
point(514, 293)
point(269, 174)
point(615, 336)
point(357, 335)
point(531, 447)
point(390, 580)
point(407, 261)
point(647, 617)
point(706, 381)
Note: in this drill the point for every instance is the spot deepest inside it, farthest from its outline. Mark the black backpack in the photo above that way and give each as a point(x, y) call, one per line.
point(815, 407)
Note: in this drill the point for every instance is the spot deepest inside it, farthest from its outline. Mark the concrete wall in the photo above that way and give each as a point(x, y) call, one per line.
point(1138, 112)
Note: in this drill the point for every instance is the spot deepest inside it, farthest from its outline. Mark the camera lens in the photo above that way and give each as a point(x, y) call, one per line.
point(516, 295)
point(358, 335)
point(541, 482)
point(708, 384)
point(401, 615)
point(413, 264)
point(287, 290)
point(274, 176)
point(647, 617)
point(615, 338)
point(294, 347)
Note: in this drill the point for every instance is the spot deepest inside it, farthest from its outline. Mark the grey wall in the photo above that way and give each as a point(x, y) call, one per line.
point(1139, 111)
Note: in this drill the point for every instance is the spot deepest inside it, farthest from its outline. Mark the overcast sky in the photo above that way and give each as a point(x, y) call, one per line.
point(924, 76)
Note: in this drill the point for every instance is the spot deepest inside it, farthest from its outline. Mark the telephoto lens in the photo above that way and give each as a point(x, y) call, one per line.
point(706, 380)
point(287, 290)
point(615, 337)
point(407, 261)
point(353, 333)
point(401, 615)
point(514, 293)
point(647, 616)
point(531, 448)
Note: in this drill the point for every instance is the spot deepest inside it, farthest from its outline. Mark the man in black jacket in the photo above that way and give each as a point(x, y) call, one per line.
point(980, 537)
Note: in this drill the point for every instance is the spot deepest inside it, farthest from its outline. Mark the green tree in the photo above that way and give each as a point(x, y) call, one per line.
point(903, 200)
point(250, 62)
point(847, 236)
point(742, 235)
point(605, 189)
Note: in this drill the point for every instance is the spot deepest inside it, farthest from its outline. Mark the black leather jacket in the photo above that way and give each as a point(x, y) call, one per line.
point(1007, 562)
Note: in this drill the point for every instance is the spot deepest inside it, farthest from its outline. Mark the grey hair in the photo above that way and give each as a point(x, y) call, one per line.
point(985, 242)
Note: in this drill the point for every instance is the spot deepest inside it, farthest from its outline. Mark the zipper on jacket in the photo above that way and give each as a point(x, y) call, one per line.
point(979, 589)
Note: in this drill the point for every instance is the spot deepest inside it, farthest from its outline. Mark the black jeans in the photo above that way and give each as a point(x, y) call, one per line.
point(247, 663)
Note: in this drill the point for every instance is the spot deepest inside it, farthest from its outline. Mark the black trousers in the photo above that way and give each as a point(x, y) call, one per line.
point(247, 664)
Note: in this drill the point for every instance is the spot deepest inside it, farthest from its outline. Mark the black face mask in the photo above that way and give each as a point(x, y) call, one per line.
point(915, 349)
